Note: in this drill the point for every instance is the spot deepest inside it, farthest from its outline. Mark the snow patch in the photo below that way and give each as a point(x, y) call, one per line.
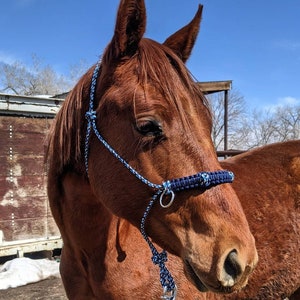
point(23, 270)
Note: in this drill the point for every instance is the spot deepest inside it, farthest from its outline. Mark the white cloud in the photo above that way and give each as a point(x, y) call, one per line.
point(7, 58)
point(288, 101)
point(282, 102)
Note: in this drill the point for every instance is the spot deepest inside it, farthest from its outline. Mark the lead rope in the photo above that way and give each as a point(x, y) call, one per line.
point(166, 279)
point(166, 190)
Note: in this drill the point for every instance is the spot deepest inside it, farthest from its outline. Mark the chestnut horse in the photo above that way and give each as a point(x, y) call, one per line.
point(132, 124)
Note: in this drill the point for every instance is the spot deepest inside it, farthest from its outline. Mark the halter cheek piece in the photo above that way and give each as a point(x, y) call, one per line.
point(165, 192)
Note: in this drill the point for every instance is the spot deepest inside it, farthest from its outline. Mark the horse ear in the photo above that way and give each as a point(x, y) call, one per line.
point(182, 41)
point(130, 28)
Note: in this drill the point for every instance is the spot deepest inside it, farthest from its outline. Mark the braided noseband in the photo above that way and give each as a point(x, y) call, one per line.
point(166, 190)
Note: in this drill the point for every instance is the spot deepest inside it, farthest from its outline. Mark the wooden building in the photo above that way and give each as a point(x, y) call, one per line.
point(26, 224)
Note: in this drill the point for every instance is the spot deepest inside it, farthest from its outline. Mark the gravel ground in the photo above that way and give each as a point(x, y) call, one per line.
point(51, 288)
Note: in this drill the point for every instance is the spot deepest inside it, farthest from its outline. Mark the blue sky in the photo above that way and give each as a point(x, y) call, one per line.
point(254, 43)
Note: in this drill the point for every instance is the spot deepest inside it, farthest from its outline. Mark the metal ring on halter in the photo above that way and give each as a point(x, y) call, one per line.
point(171, 295)
point(166, 192)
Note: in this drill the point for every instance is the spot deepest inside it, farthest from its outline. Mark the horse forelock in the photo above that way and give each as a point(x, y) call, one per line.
point(160, 66)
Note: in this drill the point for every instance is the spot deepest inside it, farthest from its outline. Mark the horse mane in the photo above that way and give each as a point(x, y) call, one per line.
point(66, 133)
point(152, 63)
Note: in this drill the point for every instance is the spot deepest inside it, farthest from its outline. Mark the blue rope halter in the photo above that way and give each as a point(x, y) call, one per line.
point(166, 190)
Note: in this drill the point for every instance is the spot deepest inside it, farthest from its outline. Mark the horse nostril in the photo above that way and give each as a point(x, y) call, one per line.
point(232, 269)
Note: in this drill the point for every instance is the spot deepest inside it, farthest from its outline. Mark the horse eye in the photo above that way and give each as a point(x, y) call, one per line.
point(149, 128)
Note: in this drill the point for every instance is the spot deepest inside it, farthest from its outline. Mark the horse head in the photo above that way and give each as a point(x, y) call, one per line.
point(151, 112)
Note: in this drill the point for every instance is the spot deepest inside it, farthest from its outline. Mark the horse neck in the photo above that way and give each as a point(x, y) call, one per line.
point(80, 203)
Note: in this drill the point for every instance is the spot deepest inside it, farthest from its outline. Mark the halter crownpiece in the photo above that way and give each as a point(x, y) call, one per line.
point(165, 192)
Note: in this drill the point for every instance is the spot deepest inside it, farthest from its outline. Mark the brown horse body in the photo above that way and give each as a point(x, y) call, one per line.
point(151, 111)
point(268, 185)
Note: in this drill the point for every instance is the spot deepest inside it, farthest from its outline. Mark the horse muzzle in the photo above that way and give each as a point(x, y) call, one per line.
point(231, 274)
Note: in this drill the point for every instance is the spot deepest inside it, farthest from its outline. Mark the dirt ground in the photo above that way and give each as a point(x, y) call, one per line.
point(51, 288)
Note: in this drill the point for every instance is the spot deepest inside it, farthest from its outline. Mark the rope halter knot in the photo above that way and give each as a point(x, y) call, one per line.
point(165, 191)
point(90, 116)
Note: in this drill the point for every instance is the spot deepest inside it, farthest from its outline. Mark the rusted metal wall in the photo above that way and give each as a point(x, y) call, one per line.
point(24, 208)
